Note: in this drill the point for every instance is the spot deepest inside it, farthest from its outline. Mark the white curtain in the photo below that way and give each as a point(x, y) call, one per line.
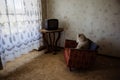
point(20, 22)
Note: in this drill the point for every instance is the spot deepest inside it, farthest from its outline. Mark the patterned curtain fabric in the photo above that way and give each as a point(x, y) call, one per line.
point(20, 22)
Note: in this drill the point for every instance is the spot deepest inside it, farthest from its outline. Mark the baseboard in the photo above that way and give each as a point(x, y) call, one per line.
point(115, 57)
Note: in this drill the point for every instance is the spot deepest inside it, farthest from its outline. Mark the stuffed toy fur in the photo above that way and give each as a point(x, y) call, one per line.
point(83, 42)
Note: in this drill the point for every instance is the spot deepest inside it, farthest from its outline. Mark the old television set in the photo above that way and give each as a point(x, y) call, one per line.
point(51, 24)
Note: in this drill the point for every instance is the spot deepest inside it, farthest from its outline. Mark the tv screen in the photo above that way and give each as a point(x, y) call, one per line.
point(51, 24)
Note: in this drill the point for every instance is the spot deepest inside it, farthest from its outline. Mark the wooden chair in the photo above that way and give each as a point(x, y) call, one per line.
point(76, 58)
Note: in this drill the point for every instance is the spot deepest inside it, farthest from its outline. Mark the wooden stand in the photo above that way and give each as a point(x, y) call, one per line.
point(51, 38)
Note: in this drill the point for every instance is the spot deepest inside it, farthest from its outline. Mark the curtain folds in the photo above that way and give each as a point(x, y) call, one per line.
point(19, 32)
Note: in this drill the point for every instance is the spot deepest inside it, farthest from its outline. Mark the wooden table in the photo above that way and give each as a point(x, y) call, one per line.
point(51, 38)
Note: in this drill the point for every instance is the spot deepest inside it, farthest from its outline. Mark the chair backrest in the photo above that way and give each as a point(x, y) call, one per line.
point(70, 43)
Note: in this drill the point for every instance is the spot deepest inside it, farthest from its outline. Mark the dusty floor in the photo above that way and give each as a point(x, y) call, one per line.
point(39, 66)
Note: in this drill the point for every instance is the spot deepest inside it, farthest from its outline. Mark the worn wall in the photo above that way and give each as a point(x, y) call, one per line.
point(44, 12)
point(99, 20)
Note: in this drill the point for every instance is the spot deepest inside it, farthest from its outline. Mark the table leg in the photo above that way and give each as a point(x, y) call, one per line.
point(56, 42)
point(46, 40)
point(52, 41)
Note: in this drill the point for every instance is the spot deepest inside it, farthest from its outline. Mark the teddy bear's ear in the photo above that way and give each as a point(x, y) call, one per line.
point(79, 35)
